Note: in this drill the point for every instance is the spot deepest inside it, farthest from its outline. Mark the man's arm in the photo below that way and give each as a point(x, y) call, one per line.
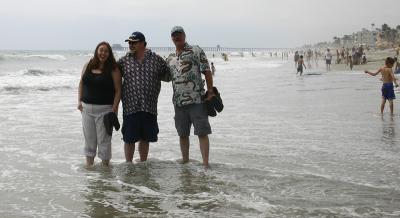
point(205, 69)
point(373, 74)
point(165, 73)
point(210, 85)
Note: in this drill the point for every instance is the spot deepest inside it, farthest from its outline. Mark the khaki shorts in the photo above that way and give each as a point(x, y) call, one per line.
point(195, 114)
point(95, 132)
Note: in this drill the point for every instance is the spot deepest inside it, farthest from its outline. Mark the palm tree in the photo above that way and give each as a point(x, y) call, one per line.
point(336, 40)
point(386, 32)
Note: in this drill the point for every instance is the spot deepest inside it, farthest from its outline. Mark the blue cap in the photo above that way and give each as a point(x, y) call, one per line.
point(136, 37)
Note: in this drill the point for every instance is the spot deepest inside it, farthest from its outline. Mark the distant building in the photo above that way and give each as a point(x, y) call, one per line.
point(117, 47)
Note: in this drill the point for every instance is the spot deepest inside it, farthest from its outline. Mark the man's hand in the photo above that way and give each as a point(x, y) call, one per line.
point(114, 109)
point(210, 94)
point(80, 107)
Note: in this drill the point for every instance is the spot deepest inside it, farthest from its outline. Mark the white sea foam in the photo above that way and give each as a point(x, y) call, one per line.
point(56, 57)
point(39, 79)
point(142, 189)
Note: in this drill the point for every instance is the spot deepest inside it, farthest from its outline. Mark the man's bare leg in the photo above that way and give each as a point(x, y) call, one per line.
point(143, 150)
point(184, 142)
point(129, 151)
point(204, 148)
point(383, 105)
point(89, 161)
point(105, 162)
point(391, 106)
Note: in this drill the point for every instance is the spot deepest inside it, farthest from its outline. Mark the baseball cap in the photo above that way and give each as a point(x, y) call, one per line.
point(136, 37)
point(177, 29)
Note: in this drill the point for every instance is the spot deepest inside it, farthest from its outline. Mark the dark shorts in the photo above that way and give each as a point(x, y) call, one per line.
point(388, 91)
point(300, 69)
point(328, 61)
point(140, 126)
point(195, 114)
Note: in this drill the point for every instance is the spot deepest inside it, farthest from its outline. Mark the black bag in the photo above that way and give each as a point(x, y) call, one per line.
point(215, 104)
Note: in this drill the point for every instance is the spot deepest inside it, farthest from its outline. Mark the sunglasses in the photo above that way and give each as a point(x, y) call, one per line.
point(177, 34)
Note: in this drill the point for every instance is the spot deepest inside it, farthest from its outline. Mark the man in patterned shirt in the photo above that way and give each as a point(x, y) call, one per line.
point(142, 71)
point(187, 65)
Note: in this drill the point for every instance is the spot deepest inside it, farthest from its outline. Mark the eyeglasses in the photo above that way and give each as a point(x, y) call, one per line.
point(132, 43)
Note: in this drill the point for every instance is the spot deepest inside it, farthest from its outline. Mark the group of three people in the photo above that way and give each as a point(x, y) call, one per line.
point(136, 80)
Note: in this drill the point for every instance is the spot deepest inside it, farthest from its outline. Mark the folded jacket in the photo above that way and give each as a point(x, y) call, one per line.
point(110, 120)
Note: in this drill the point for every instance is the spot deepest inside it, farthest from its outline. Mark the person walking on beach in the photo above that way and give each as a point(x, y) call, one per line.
point(296, 58)
point(347, 56)
point(99, 93)
point(187, 65)
point(142, 71)
point(300, 65)
point(316, 58)
point(212, 68)
point(350, 60)
point(388, 79)
point(396, 66)
point(338, 60)
point(328, 59)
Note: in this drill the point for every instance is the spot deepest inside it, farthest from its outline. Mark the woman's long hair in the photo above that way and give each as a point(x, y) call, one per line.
point(109, 65)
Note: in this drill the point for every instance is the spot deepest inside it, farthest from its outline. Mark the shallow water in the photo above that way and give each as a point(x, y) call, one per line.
point(284, 146)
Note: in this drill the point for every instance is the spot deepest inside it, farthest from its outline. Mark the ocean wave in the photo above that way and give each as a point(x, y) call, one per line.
point(56, 57)
point(21, 89)
point(36, 72)
point(41, 72)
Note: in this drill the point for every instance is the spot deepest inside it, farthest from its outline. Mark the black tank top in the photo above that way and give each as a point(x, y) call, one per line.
point(98, 88)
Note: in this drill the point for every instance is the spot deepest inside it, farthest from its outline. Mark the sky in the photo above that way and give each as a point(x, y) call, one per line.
point(82, 24)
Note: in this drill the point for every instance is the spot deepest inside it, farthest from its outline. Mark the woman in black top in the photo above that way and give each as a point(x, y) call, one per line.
point(99, 93)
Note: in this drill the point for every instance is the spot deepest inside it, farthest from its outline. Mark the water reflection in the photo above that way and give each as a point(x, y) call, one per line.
point(388, 130)
point(141, 191)
point(123, 190)
point(100, 191)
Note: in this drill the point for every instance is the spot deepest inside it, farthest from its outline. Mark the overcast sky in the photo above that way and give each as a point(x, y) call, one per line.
point(81, 24)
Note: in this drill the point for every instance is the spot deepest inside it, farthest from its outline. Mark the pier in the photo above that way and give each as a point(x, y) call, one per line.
point(118, 47)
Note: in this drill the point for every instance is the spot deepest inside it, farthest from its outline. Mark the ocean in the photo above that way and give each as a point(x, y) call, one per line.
point(284, 146)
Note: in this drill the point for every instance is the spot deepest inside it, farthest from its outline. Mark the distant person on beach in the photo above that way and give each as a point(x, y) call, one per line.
point(338, 60)
point(187, 65)
point(396, 66)
point(364, 59)
point(350, 60)
point(342, 53)
point(99, 93)
point(309, 57)
point(142, 71)
point(328, 59)
point(296, 58)
point(316, 57)
point(213, 68)
point(300, 64)
point(388, 79)
point(347, 56)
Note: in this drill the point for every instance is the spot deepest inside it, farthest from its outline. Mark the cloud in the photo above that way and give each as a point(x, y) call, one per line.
point(80, 24)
